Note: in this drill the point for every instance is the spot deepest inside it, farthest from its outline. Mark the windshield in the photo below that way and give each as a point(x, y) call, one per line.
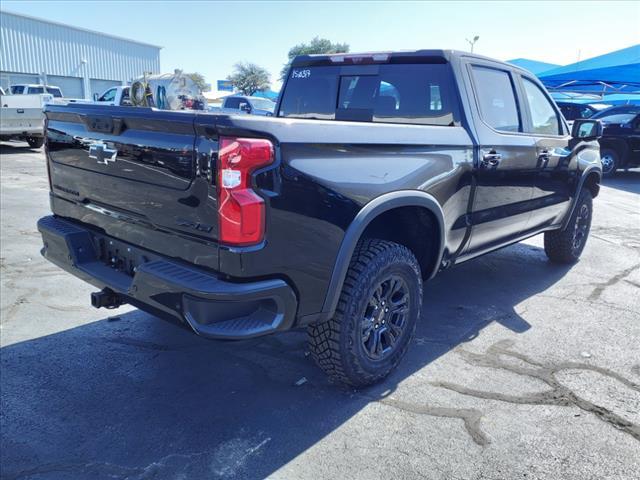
point(618, 118)
point(617, 111)
point(390, 93)
point(263, 104)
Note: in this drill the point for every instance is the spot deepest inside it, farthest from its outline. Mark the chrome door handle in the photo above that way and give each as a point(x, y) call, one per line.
point(544, 158)
point(491, 159)
point(545, 155)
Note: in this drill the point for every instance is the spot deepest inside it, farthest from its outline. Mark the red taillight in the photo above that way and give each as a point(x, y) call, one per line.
point(241, 211)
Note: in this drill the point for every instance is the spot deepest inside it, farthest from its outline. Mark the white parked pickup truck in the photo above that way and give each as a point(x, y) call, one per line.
point(21, 117)
point(34, 89)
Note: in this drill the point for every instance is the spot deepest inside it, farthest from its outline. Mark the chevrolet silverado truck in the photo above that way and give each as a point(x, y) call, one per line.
point(375, 172)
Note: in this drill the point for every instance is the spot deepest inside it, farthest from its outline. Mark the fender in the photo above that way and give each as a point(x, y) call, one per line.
point(388, 201)
point(595, 167)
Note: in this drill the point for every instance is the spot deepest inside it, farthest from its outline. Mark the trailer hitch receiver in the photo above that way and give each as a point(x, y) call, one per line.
point(107, 298)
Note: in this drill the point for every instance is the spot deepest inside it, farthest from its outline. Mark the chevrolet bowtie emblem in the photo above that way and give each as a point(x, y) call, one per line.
point(103, 154)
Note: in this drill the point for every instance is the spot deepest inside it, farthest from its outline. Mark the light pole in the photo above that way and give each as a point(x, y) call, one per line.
point(473, 42)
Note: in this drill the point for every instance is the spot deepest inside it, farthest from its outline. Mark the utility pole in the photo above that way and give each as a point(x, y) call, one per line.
point(472, 42)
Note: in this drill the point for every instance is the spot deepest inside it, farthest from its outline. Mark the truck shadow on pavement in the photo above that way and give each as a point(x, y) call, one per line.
point(134, 397)
point(17, 147)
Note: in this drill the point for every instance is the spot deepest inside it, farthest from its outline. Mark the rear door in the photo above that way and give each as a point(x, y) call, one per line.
point(505, 162)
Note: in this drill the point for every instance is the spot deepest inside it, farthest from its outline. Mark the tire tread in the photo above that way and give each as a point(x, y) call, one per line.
point(324, 337)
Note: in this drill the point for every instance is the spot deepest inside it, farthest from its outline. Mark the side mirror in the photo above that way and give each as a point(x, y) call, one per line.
point(245, 107)
point(586, 129)
point(95, 97)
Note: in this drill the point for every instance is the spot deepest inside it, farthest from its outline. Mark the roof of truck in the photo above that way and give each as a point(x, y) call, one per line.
point(428, 55)
point(33, 85)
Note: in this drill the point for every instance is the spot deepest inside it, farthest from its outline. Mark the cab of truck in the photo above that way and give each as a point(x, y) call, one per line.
point(34, 89)
point(248, 105)
point(114, 96)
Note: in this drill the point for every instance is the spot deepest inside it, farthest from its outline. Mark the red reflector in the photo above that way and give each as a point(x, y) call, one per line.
point(241, 211)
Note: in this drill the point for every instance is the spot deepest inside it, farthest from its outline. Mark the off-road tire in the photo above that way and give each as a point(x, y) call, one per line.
point(35, 142)
point(337, 345)
point(561, 245)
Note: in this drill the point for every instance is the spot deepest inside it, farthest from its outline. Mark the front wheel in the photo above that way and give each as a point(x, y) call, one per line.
point(610, 161)
point(35, 142)
point(376, 315)
point(566, 245)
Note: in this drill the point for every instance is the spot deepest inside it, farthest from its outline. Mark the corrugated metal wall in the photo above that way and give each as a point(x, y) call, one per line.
point(32, 46)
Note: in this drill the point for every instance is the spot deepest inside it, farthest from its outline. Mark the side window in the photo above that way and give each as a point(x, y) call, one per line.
point(17, 90)
point(36, 90)
point(497, 99)
point(232, 103)
point(108, 96)
point(544, 119)
point(585, 112)
point(124, 98)
point(54, 91)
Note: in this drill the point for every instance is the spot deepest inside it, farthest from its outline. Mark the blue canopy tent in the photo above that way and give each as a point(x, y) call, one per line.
point(534, 66)
point(616, 73)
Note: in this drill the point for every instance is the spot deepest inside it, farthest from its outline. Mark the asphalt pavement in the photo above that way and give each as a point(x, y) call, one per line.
point(520, 369)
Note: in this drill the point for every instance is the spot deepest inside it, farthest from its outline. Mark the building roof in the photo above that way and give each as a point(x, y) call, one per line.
point(80, 29)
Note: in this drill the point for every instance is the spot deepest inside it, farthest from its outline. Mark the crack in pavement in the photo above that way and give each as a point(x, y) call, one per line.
point(580, 300)
point(470, 416)
point(558, 395)
point(601, 287)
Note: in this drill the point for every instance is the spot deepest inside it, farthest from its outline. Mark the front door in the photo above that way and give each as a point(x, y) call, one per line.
point(552, 180)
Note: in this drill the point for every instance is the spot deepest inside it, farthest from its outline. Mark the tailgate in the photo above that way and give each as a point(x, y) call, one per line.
point(15, 121)
point(132, 172)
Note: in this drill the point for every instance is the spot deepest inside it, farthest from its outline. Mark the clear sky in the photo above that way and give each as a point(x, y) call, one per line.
point(209, 37)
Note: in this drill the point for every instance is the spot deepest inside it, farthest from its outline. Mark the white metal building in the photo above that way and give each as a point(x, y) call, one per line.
point(81, 62)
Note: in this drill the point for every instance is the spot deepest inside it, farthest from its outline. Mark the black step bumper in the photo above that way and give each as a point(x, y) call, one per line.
point(213, 307)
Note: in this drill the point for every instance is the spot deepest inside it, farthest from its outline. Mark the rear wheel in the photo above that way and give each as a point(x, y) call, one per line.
point(376, 315)
point(610, 161)
point(35, 142)
point(566, 246)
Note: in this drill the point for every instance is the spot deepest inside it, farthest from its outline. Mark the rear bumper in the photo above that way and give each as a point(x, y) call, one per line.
point(213, 307)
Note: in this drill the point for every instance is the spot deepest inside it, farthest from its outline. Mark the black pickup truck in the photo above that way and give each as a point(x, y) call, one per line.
point(376, 171)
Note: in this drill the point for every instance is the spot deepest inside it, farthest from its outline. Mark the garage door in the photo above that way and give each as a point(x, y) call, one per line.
point(71, 86)
point(100, 86)
point(7, 79)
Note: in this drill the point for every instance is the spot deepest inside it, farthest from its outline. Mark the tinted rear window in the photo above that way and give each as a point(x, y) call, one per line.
point(397, 93)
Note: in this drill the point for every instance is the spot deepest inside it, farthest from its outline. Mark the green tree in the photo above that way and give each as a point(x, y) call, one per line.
point(198, 79)
point(315, 46)
point(249, 78)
